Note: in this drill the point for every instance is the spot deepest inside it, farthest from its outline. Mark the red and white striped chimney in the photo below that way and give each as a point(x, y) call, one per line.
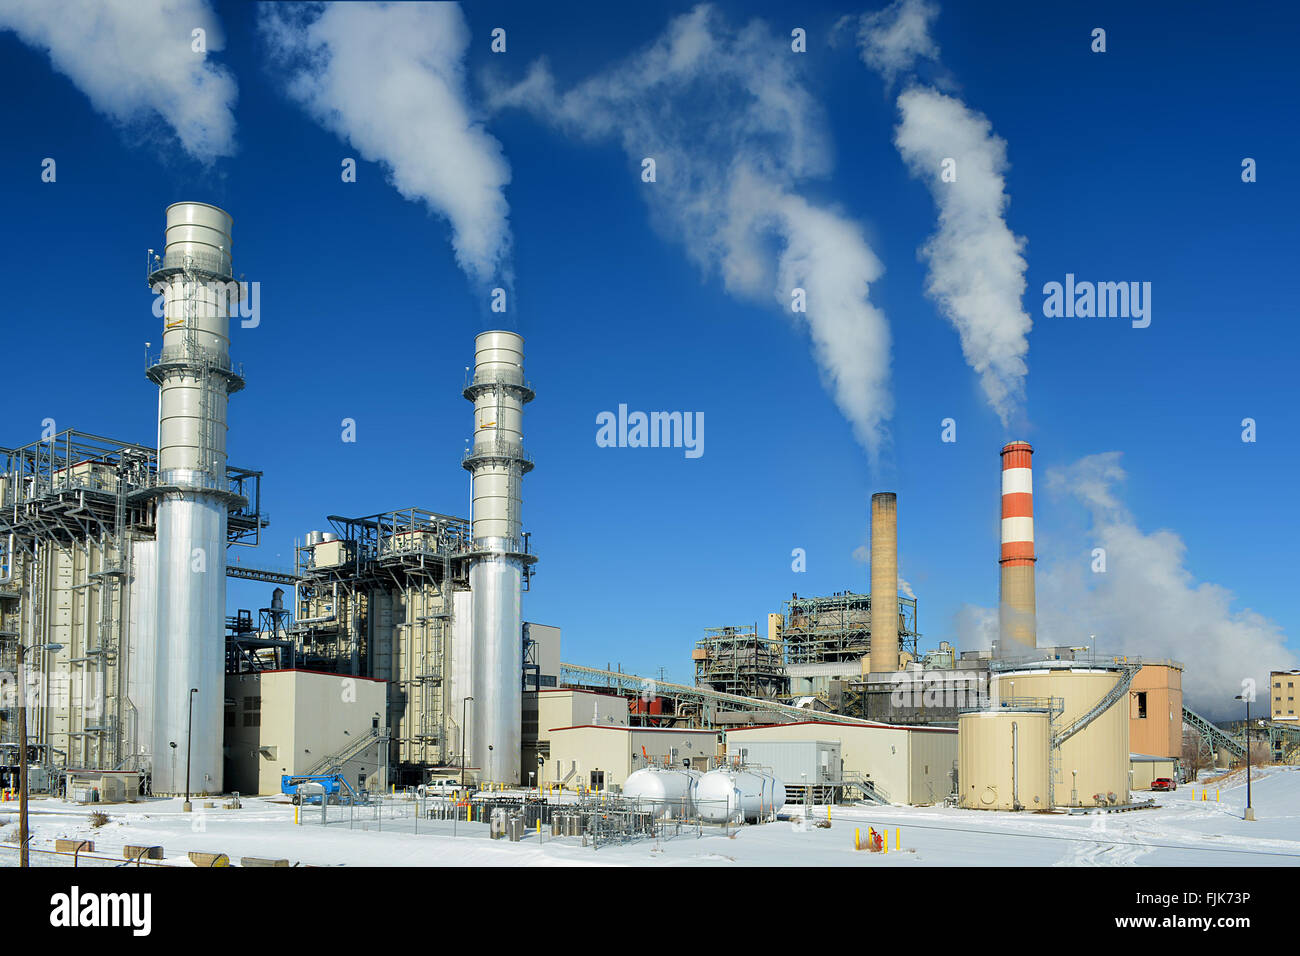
point(1016, 624)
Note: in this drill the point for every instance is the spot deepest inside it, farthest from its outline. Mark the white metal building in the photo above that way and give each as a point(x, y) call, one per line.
point(912, 765)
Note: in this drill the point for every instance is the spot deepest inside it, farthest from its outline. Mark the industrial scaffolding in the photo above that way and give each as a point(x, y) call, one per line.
point(73, 510)
point(374, 598)
point(740, 660)
point(837, 628)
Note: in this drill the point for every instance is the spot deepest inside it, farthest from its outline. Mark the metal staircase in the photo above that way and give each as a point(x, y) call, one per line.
point(1128, 670)
point(1217, 738)
point(335, 761)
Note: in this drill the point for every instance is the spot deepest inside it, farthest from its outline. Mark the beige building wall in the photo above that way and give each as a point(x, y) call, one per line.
point(614, 752)
point(1282, 687)
point(1146, 770)
point(907, 765)
point(284, 722)
point(1156, 710)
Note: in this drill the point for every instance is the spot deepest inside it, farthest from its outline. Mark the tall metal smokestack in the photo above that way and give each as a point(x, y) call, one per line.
point(884, 582)
point(496, 462)
point(194, 378)
point(1017, 627)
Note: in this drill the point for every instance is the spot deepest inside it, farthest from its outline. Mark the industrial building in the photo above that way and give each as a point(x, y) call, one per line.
point(402, 651)
point(601, 756)
point(894, 764)
point(298, 722)
point(113, 569)
point(1282, 694)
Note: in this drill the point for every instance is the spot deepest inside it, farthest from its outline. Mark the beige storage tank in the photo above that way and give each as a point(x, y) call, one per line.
point(1092, 766)
point(1002, 759)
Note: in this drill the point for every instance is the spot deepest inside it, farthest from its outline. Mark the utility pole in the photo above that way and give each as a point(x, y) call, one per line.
point(189, 736)
point(22, 745)
point(1250, 810)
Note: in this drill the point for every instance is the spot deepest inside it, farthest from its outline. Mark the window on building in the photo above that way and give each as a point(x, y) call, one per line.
point(1142, 704)
point(252, 711)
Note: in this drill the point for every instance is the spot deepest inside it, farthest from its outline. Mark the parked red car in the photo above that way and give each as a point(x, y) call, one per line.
point(1164, 783)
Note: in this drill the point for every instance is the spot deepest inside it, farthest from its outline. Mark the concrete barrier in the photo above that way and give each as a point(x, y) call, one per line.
point(142, 852)
point(72, 846)
point(261, 861)
point(199, 858)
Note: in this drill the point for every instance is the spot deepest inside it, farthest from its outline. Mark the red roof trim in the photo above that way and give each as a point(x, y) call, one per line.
point(652, 730)
point(834, 723)
point(303, 670)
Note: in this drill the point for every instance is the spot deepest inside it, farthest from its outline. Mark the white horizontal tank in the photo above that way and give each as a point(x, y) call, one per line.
point(729, 794)
point(665, 791)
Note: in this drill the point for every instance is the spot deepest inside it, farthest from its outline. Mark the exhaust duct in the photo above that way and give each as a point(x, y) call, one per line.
point(496, 462)
point(194, 378)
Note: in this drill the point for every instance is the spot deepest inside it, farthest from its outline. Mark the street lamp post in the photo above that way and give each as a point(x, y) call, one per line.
point(22, 745)
point(189, 736)
point(1250, 810)
point(464, 738)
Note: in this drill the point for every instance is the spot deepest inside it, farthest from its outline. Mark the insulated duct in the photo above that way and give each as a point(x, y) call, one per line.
point(496, 462)
point(884, 583)
point(1017, 628)
point(194, 378)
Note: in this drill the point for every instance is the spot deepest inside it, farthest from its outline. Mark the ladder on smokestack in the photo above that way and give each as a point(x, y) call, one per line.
point(1129, 669)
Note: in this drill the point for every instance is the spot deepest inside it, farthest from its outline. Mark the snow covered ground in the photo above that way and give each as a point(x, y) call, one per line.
point(1181, 831)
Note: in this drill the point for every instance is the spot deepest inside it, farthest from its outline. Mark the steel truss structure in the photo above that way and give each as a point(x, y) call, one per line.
point(740, 660)
point(837, 628)
point(71, 508)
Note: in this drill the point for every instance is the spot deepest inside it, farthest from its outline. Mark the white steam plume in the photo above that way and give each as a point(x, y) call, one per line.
point(976, 264)
point(733, 132)
point(137, 64)
point(390, 79)
point(1147, 603)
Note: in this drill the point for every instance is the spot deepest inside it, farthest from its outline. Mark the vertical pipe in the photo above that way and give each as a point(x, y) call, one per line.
point(497, 462)
point(884, 582)
point(1016, 612)
point(194, 377)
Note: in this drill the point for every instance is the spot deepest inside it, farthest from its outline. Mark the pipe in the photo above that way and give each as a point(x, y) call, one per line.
point(496, 462)
point(9, 568)
point(194, 378)
point(1015, 765)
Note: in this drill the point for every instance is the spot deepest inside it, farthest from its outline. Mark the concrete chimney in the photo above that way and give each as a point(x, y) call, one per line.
point(884, 582)
point(1017, 628)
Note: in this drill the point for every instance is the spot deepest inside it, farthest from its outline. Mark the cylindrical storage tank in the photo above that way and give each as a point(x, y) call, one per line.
point(663, 792)
point(725, 794)
point(1002, 759)
point(1092, 766)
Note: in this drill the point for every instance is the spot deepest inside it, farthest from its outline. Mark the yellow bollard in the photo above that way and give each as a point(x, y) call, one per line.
point(828, 812)
point(885, 840)
point(1216, 796)
point(1203, 792)
point(857, 838)
point(295, 814)
point(898, 838)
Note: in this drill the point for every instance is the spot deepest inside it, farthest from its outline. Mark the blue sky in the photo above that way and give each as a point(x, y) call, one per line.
point(1122, 166)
